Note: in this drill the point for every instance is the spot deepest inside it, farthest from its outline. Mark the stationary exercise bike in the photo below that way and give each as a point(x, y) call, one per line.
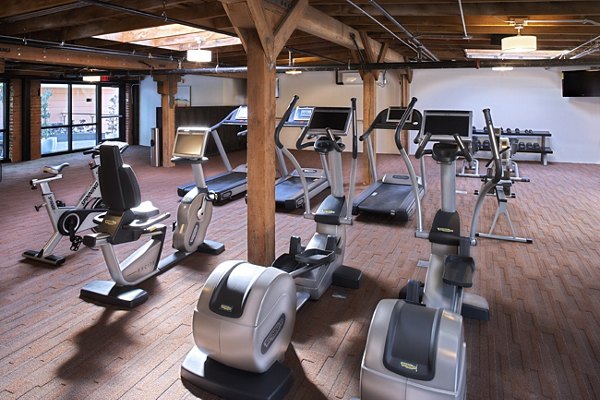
point(415, 347)
point(68, 220)
point(128, 219)
point(245, 315)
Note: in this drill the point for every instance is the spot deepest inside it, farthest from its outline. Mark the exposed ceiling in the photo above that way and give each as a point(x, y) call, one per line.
point(59, 37)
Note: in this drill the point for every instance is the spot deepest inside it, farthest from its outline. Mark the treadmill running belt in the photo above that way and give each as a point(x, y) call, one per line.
point(396, 200)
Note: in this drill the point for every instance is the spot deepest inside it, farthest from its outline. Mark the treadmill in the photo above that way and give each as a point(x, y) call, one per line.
point(289, 193)
point(394, 194)
point(233, 181)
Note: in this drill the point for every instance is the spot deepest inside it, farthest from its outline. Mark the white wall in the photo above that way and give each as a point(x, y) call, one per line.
point(320, 89)
point(525, 98)
point(204, 91)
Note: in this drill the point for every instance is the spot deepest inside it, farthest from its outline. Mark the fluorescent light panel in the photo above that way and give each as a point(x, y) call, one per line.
point(501, 55)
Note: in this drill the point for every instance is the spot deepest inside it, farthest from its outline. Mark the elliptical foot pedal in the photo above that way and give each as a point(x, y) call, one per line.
point(51, 259)
point(211, 247)
point(201, 374)
point(108, 293)
point(347, 277)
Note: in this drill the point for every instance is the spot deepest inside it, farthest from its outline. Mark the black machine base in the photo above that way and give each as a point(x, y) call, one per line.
point(347, 277)
point(474, 312)
point(51, 259)
point(211, 247)
point(109, 293)
point(201, 374)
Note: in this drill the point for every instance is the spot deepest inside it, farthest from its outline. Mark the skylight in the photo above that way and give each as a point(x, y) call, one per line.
point(172, 37)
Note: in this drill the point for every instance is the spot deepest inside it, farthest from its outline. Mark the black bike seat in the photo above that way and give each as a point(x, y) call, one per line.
point(55, 169)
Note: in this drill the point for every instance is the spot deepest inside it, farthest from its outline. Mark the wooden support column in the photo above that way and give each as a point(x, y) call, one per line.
point(263, 34)
point(167, 87)
point(369, 105)
point(261, 153)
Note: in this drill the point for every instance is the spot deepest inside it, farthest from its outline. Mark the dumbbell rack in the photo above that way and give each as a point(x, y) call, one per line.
point(541, 136)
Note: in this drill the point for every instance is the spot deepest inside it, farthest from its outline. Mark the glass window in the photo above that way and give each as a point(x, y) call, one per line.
point(73, 113)
point(3, 130)
point(110, 112)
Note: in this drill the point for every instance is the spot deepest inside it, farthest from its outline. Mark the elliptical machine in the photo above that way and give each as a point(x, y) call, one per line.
point(128, 219)
point(415, 347)
point(245, 315)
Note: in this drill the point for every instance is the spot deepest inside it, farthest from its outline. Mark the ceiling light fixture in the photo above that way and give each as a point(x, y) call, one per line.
point(502, 68)
point(518, 43)
point(91, 78)
point(199, 55)
point(291, 64)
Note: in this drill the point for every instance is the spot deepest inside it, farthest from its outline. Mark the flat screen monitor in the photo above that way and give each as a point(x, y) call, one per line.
point(443, 124)
point(302, 114)
point(337, 119)
point(394, 114)
point(190, 142)
point(242, 113)
point(585, 83)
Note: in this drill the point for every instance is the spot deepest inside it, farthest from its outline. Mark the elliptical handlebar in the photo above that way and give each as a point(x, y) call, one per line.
point(354, 129)
point(284, 118)
point(494, 145)
point(338, 147)
point(491, 183)
point(465, 152)
point(300, 144)
point(407, 112)
point(421, 149)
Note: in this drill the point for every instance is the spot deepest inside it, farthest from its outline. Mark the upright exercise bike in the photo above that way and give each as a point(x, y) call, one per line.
point(128, 219)
point(415, 347)
point(245, 315)
point(68, 220)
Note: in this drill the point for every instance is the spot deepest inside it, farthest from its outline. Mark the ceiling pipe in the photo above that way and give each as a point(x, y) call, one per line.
point(462, 18)
point(391, 66)
point(404, 42)
point(586, 52)
point(40, 13)
point(163, 18)
point(559, 21)
point(412, 37)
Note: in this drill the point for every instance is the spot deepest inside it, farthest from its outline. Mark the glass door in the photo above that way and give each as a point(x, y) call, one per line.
point(110, 116)
point(83, 116)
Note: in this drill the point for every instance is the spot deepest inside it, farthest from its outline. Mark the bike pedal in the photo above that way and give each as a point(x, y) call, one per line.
point(60, 203)
point(37, 208)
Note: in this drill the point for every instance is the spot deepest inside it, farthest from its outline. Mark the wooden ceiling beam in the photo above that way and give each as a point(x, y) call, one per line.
point(322, 25)
point(81, 59)
point(16, 7)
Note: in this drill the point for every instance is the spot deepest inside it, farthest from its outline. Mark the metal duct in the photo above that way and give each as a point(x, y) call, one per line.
point(410, 46)
point(412, 37)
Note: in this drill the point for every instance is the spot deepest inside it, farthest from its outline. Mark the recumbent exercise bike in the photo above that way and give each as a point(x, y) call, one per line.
point(128, 219)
